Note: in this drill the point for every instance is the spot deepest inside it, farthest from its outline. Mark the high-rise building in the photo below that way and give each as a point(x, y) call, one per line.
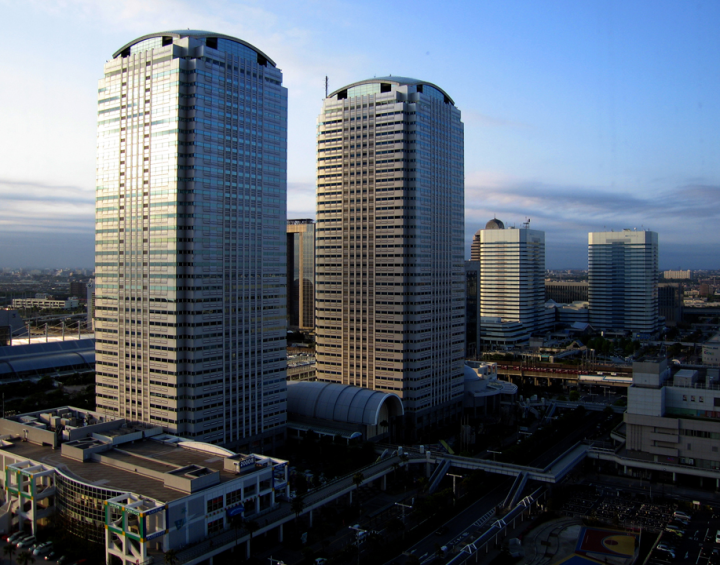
point(623, 281)
point(301, 274)
point(512, 281)
point(190, 241)
point(390, 299)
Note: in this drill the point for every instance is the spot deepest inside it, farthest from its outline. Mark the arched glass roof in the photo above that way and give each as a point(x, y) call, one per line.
point(339, 403)
point(197, 34)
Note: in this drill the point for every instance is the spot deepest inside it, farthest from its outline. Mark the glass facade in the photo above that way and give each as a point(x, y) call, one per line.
point(190, 239)
point(390, 297)
point(301, 274)
point(81, 507)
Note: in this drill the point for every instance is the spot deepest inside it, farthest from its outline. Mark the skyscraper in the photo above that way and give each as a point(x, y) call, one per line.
point(512, 280)
point(390, 277)
point(623, 281)
point(301, 274)
point(190, 238)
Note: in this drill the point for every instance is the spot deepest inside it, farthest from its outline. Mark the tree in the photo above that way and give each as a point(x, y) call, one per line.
point(358, 479)
point(9, 549)
point(297, 505)
point(171, 557)
point(25, 558)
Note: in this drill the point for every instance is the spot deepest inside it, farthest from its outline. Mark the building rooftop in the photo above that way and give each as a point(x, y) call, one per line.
point(394, 80)
point(194, 33)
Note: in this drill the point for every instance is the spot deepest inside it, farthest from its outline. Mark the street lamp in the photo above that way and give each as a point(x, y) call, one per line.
point(454, 491)
point(359, 533)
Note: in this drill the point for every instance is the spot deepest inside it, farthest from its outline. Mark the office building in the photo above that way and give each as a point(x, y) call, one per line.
point(190, 242)
point(301, 274)
point(46, 303)
point(566, 292)
point(623, 281)
point(670, 302)
point(78, 288)
point(512, 282)
point(390, 299)
point(472, 309)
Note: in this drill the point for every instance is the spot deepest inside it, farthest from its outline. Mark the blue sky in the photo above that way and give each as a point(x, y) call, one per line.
point(581, 115)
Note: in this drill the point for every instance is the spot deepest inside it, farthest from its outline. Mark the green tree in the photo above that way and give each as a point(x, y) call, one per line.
point(171, 557)
point(574, 396)
point(9, 549)
point(297, 505)
point(25, 558)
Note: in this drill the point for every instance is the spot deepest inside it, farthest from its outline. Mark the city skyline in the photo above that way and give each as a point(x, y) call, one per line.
point(581, 117)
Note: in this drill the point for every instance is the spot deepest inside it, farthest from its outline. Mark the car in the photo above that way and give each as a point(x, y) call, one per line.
point(27, 542)
point(442, 530)
point(50, 556)
point(680, 522)
point(665, 550)
point(665, 547)
point(16, 536)
point(43, 548)
point(62, 559)
point(682, 515)
point(717, 536)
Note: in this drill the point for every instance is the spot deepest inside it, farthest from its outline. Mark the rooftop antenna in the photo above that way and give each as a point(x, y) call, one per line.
point(326, 86)
point(526, 223)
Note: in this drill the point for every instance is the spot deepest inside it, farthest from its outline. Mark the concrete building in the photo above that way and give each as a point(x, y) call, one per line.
point(190, 238)
point(672, 421)
point(512, 279)
point(78, 288)
point(711, 351)
point(483, 390)
point(46, 303)
point(566, 292)
point(390, 299)
point(134, 489)
point(90, 304)
point(677, 274)
point(11, 326)
point(623, 281)
point(301, 274)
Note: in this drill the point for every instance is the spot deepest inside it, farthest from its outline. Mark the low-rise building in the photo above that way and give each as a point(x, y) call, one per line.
point(46, 303)
point(135, 489)
point(673, 421)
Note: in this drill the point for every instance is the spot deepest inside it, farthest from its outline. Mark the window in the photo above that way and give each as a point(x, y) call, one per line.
point(234, 496)
point(684, 398)
point(215, 504)
point(215, 526)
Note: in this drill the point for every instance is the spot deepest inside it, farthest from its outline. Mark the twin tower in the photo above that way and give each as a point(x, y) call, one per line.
point(191, 230)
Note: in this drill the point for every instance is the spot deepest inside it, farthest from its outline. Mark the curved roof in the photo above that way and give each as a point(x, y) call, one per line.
point(36, 357)
point(494, 224)
point(394, 80)
point(338, 403)
point(196, 33)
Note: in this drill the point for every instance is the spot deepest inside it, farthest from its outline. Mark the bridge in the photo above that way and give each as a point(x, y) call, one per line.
point(276, 517)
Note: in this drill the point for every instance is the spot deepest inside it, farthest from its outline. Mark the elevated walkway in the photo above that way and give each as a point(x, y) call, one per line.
point(516, 489)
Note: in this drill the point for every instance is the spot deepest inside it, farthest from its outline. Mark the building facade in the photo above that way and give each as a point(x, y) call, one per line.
point(670, 302)
point(512, 278)
point(566, 292)
point(301, 274)
point(677, 274)
point(390, 300)
point(190, 238)
point(623, 281)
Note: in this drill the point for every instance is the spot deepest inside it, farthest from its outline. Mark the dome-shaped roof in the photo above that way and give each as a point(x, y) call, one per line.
point(494, 224)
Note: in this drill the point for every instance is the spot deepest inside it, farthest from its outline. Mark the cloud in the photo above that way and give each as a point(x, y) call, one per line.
point(683, 215)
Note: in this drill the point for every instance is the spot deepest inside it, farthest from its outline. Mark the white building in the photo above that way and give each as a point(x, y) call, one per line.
point(136, 490)
point(677, 274)
point(512, 281)
point(623, 281)
point(390, 301)
point(190, 238)
point(46, 303)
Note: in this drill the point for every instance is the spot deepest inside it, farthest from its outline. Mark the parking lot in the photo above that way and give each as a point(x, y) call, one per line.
point(696, 544)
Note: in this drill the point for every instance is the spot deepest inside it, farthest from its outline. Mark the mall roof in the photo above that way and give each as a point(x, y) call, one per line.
point(338, 402)
point(19, 360)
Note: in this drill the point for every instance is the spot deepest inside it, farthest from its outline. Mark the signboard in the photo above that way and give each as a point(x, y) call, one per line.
point(235, 510)
point(250, 460)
